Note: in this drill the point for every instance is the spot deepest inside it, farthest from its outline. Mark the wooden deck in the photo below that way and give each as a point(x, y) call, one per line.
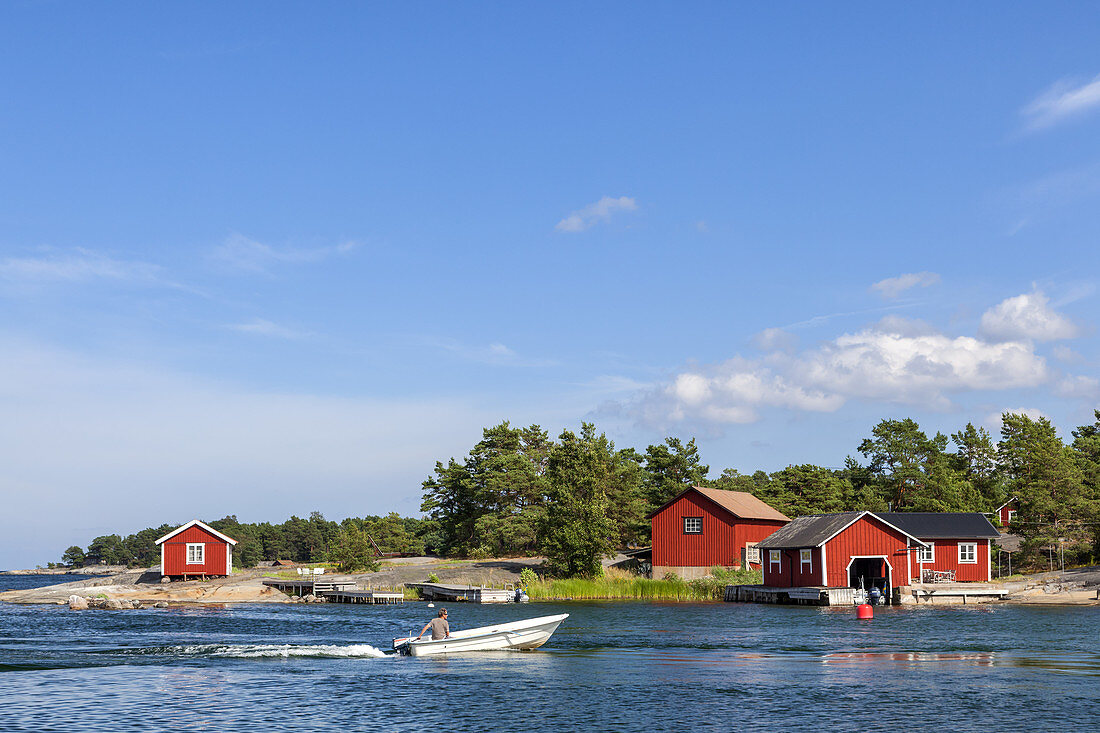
point(364, 596)
point(468, 593)
point(812, 596)
point(956, 593)
point(305, 587)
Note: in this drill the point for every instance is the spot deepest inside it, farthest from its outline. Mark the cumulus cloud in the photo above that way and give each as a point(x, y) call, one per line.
point(1062, 101)
point(79, 265)
point(242, 253)
point(1029, 317)
point(263, 327)
point(892, 287)
point(994, 419)
point(775, 339)
point(595, 213)
point(1078, 387)
point(893, 361)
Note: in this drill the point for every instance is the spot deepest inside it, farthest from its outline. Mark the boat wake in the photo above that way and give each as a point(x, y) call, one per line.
point(255, 651)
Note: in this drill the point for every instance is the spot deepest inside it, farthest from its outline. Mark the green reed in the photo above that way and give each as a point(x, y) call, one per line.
point(615, 585)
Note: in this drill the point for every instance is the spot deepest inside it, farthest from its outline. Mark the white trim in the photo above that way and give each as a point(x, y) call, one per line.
point(908, 561)
point(196, 523)
point(861, 516)
point(824, 569)
point(229, 559)
point(884, 558)
point(968, 544)
point(775, 557)
point(1011, 517)
point(693, 519)
point(162, 559)
point(997, 511)
point(932, 548)
point(201, 553)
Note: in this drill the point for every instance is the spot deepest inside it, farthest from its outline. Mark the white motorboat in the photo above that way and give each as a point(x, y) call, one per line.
point(526, 634)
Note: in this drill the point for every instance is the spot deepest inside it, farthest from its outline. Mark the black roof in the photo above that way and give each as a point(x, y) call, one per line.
point(808, 531)
point(942, 525)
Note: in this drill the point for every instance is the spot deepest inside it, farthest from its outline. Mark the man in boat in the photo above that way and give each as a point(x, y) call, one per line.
point(439, 626)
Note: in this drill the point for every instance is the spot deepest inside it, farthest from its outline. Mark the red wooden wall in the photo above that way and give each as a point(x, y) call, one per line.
point(175, 553)
point(720, 543)
point(867, 537)
point(1009, 507)
point(946, 557)
point(790, 572)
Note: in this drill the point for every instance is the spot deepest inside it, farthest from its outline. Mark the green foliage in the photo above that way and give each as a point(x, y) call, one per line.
point(352, 551)
point(671, 468)
point(433, 578)
point(616, 585)
point(74, 556)
point(577, 532)
point(527, 576)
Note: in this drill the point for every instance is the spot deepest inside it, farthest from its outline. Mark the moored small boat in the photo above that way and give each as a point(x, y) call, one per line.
point(526, 634)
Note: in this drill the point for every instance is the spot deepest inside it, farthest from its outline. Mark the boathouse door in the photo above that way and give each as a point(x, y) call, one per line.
point(873, 571)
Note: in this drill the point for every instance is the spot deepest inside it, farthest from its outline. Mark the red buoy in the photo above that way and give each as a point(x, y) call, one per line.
point(863, 610)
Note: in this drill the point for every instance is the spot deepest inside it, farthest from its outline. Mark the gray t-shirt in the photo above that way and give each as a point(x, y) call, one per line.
point(440, 628)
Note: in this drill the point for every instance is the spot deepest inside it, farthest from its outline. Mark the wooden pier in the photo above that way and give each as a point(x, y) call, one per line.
point(956, 593)
point(469, 593)
point(812, 596)
point(364, 596)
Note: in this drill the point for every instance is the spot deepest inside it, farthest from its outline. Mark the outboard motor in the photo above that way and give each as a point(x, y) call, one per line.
point(521, 596)
point(875, 596)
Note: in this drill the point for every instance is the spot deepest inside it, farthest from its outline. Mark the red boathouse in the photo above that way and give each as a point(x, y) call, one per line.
point(196, 549)
point(957, 544)
point(702, 528)
point(1006, 513)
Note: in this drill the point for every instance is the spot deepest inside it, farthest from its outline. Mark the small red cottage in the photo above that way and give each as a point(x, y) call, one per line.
point(843, 550)
point(701, 528)
point(196, 549)
point(957, 544)
point(1006, 513)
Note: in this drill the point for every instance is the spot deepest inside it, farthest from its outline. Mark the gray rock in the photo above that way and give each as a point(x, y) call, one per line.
point(77, 603)
point(135, 604)
point(160, 604)
point(165, 579)
point(309, 598)
point(115, 605)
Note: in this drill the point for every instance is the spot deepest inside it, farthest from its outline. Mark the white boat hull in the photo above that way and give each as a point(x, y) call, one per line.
point(527, 634)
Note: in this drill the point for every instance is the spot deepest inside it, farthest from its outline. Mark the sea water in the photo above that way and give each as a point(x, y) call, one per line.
point(610, 666)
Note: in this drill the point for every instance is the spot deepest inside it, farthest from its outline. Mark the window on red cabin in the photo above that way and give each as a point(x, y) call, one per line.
point(196, 553)
point(806, 560)
point(926, 554)
point(774, 558)
point(968, 552)
point(693, 525)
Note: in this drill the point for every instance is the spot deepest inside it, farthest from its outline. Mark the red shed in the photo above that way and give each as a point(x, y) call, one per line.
point(1006, 513)
point(701, 528)
point(839, 551)
point(196, 549)
point(957, 544)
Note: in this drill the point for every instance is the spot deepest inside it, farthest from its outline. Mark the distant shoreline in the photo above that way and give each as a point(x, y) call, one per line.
point(94, 570)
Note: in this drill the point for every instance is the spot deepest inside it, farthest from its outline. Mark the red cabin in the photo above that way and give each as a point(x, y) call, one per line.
point(850, 549)
point(1006, 513)
point(702, 528)
point(957, 544)
point(196, 549)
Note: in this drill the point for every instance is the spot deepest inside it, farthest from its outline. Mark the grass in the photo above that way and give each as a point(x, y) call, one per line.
point(620, 585)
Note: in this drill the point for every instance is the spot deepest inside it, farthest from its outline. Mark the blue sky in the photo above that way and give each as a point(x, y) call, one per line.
point(261, 259)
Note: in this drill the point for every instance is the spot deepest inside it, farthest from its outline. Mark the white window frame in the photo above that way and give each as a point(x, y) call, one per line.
point(927, 554)
point(805, 561)
point(200, 553)
point(1011, 516)
point(752, 553)
point(775, 557)
point(973, 547)
point(696, 522)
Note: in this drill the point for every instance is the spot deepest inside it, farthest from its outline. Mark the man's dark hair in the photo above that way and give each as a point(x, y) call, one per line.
point(443, 612)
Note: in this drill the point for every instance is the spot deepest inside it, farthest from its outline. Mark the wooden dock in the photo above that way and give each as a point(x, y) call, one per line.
point(468, 593)
point(812, 596)
point(306, 587)
point(364, 596)
point(956, 593)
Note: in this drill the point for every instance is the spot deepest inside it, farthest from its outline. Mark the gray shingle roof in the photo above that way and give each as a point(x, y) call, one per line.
point(808, 531)
point(942, 525)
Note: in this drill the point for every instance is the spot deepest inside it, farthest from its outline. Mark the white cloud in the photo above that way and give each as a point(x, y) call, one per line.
point(892, 287)
point(1061, 102)
point(79, 265)
point(1065, 354)
point(263, 327)
point(495, 354)
point(994, 419)
point(1028, 316)
point(242, 253)
point(167, 447)
point(1078, 387)
point(893, 361)
point(595, 213)
point(775, 339)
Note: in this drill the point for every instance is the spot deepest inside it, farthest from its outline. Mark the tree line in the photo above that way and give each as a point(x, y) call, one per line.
point(577, 498)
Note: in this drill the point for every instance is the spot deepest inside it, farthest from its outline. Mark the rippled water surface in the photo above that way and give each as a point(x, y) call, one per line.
point(610, 666)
